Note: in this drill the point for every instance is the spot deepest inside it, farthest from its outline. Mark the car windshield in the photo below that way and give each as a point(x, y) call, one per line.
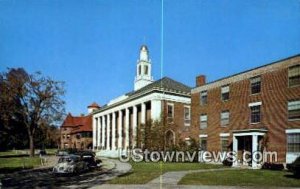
point(65, 160)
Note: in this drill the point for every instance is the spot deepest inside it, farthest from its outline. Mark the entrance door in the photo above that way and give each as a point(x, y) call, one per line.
point(244, 145)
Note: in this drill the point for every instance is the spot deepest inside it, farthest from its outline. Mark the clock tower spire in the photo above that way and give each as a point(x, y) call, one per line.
point(143, 70)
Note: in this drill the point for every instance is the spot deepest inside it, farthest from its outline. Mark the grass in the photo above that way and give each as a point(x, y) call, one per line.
point(242, 178)
point(16, 153)
point(144, 172)
point(18, 163)
point(10, 153)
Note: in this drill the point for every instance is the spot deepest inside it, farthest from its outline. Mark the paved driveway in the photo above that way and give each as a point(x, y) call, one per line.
point(45, 179)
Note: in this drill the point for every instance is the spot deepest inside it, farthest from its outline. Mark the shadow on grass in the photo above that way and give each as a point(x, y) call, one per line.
point(14, 156)
point(6, 170)
point(126, 174)
point(44, 178)
point(292, 176)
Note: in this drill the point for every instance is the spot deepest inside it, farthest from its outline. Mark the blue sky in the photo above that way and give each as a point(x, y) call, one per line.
point(93, 45)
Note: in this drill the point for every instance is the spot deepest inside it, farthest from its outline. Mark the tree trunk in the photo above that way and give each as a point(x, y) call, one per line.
point(31, 145)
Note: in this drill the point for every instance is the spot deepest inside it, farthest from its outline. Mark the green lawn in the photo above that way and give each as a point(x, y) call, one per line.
point(17, 163)
point(50, 151)
point(10, 153)
point(144, 172)
point(242, 178)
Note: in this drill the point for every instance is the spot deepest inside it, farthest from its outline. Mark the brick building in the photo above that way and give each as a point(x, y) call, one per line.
point(251, 111)
point(116, 124)
point(76, 131)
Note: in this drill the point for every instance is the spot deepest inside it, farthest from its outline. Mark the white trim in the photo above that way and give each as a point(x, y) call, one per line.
point(292, 131)
point(152, 96)
point(224, 134)
point(202, 136)
point(254, 104)
point(248, 134)
point(187, 138)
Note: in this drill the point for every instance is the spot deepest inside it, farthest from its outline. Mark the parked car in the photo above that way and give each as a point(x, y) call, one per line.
point(62, 153)
point(70, 164)
point(90, 158)
point(295, 167)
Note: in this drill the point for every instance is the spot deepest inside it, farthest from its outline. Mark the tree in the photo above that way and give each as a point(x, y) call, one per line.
point(36, 98)
point(12, 127)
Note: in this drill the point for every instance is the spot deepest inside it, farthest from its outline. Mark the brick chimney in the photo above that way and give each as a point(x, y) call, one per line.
point(200, 80)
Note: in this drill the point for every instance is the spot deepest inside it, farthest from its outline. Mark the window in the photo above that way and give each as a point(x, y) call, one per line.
point(225, 93)
point(86, 134)
point(170, 113)
point(294, 76)
point(293, 142)
point(203, 121)
point(187, 115)
point(224, 118)
point(203, 143)
point(224, 144)
point(146, 70)
point(294, 110)
point(187, 141)
point(255, 85)
point(170, 110)
point(78, 136)
point(255, 114)
point(140, 70)
point(68, 136)
point(203, 97)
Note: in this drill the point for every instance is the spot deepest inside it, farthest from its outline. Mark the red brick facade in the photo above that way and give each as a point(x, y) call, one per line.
point(177, 123)
point(274, 96)
point(76, 132)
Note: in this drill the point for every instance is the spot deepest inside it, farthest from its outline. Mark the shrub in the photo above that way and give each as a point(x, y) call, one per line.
point(227, 162)
point(273, 166)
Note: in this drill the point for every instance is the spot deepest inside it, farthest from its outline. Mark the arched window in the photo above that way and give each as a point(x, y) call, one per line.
point(146, 70)
point(140, 69)
point(170, 138)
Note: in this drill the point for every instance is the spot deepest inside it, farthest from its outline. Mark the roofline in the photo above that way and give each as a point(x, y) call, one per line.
point(249, 70)
point(155, 89)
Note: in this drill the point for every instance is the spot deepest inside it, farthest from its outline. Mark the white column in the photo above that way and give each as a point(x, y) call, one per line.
point(143, 114)
point(103, 132)
point(108, 132)
point(98, 132)
point(127, 129)
point(134, 126)
point(254, 149)
point(120, 139)
point(94, 133)
point(113, 131)
point(155, 109)
point(235, 150)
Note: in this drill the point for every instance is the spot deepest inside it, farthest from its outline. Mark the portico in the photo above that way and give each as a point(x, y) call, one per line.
point(246, 145)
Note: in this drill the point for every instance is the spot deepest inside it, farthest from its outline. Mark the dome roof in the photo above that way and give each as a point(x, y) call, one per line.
point(144, 47)
point(94, 105)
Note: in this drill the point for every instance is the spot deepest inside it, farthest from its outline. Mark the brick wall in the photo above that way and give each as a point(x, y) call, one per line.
point(274, 96)
point(177, 125)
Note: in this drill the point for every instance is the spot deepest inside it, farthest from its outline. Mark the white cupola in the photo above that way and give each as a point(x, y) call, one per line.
point(143, 70)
